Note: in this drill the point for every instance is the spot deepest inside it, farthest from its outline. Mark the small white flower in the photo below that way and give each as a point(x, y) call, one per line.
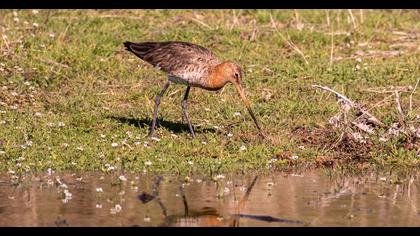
point(98, 205)
point(114, 144)
point(101, 60)
point(137, 143)
point(230, 135)
point(38, 114)
point(155, 139)
point(50, 171)
point(118, 208)
point(301, 147)
point(2, 112)
point(61, 124)
point(204, 143)
point(148, 163)
point(242, 148)
point(36, 25)
point(382, 179)
point(2, 122)
point(129, 134)
point(73, 163)
point(67, 194)
point(296, 175)
point(2, 152)
point(207, 109)
point(35, 12)
point(236, 114)
point(15, 13)
point(226, 190)
point(190, 162)
point(65, 145)
point(15, 19)
point(103, 136)
point(219, 176)
point(99, 190)
point(294, 157)
point(272, 160)
point(52, 35)
point(147, 219)
point(122, 178)
point(80, 148)
point(14, 107)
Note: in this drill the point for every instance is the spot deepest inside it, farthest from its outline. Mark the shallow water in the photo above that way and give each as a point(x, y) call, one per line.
point(276, 199)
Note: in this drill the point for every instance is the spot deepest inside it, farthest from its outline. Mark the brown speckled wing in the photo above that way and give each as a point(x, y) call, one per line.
point(181, 59)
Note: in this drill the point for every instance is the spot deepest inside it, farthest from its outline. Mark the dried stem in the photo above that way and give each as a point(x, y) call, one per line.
point(399, 108)
point(5, 41)
point(328, 17)
point(291, 44)
point(201, 23)
point(411, 95)
point(353, 21)
point(332, 46)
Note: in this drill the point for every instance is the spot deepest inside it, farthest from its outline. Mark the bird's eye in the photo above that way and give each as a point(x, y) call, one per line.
point(236, 75)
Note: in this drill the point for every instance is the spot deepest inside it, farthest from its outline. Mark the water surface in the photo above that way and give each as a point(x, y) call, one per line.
point(311, 198)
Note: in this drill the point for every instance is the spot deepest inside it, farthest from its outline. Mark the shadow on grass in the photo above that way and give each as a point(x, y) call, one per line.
point(175, 127)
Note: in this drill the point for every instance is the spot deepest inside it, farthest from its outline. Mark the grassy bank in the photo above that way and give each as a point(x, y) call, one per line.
point(72, 98)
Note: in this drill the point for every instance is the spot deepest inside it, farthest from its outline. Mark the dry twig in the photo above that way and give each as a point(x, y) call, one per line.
point(352, 104)
point(399, 108)
point(411, 95)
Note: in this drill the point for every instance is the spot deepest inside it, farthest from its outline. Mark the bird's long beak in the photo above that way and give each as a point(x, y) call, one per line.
point(247, 105)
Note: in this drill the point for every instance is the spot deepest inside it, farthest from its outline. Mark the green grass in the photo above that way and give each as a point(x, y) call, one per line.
point(73, 69)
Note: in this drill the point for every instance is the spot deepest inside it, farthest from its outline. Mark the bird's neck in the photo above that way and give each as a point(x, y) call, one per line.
point(217, 78)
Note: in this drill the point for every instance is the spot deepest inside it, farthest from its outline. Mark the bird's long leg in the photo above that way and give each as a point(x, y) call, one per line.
point(184, 110)
point(155, 112)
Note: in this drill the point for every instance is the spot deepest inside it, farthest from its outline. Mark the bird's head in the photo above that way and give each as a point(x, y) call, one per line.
point(233, 73)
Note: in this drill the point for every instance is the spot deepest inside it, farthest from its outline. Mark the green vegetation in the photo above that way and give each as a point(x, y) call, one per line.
point(71, 97)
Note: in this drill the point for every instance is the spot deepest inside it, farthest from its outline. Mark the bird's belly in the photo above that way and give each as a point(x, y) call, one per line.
point(190, 82)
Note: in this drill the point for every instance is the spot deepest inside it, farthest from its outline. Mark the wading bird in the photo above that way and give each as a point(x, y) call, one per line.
point(191, 65)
